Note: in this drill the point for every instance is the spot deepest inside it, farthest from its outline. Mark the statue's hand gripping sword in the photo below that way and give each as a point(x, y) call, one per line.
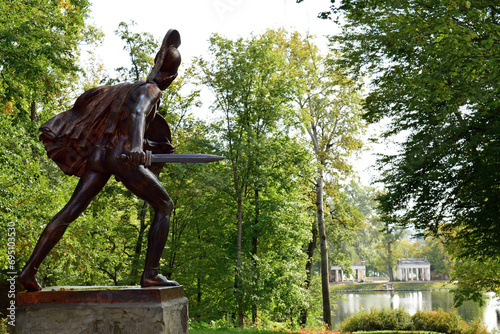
point(172, 158)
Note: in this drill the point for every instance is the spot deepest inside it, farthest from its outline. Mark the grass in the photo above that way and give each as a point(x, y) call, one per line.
point(422, 286)
point(233, 331)
point(397, 286)
point(357, 287)
point(302, 331)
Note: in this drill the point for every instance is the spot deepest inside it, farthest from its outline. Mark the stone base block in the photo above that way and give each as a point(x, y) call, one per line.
point(127, 310)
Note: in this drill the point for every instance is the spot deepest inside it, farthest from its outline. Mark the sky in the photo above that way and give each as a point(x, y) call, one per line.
point(196, 20)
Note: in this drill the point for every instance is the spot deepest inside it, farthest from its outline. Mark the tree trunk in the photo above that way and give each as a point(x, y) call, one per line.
point(198, 288)
point(389, 261)
point(33, 111)
point(255, 240)
point(325, 282)
point(238, 287)
point(198, 279)
point(310, 254)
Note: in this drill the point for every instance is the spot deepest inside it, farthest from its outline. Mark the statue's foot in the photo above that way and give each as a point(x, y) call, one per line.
point(29, 282)
point(156, 280)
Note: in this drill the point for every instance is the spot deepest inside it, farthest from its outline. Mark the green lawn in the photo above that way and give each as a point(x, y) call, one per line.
point(254, 331)
point(357, 286)
point(422, 286)
point(233, 331)
point(396, 286)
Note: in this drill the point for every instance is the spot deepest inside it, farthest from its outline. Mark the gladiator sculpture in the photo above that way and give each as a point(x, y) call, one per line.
point(109, 131)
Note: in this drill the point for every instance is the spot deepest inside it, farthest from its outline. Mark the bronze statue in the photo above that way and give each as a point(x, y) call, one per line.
point(90, 141)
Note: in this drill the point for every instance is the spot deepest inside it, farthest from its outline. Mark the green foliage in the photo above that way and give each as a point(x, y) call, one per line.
point(374, 320)
point(473, 278)
point(3, 326)
point(239, 227)
point(434, 66)
point(443, 322)
point(398, 319)
point(27, 192)
point(434, 251)
point(140, 47)
point(343, 223)
point(328, 110)
point(438, 321)
point(262, 180)
point(39, 42)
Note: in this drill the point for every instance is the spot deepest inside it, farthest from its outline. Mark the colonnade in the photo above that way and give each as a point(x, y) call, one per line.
point(413, 270)
point(359, 273)
point(407, 270)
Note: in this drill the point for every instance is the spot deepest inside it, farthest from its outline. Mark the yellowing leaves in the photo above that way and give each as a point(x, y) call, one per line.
point(65, 5)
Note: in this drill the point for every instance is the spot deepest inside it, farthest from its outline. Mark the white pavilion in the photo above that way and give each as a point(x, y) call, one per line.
point(358, 269)
point(413, 269)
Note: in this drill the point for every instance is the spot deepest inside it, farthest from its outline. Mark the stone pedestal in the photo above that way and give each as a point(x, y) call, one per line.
point(125, 310)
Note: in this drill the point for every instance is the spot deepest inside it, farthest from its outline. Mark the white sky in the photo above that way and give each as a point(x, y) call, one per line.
point(196, 20)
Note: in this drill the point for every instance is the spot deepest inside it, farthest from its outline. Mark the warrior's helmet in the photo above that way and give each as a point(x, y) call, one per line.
point(167, 60)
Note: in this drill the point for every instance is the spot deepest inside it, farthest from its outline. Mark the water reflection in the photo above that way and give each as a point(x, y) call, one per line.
point(413, 301)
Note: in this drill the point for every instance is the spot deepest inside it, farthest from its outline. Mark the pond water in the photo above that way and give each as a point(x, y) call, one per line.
point(351, 303)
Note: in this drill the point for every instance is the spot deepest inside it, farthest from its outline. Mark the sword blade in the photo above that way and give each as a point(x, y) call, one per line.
point(185, 158)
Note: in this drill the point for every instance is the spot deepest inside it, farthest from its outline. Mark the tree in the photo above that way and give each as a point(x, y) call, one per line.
point(39, 42)
point(434, 251)
point(434, 66)
point(391, 234)
point(475, 277)
point(329, 112)
point(252, 95)
point(140, 46)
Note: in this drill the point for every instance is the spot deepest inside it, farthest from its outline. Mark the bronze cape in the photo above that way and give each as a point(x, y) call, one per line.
point(72, 137)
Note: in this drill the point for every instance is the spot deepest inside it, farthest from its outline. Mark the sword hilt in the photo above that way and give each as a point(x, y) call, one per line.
point(125, 157)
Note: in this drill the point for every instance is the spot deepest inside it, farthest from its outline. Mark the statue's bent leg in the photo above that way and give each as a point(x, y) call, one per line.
point(144, 184)
point(88, 187)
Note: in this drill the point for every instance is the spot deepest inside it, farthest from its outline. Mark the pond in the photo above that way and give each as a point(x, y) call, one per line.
point(351, 303)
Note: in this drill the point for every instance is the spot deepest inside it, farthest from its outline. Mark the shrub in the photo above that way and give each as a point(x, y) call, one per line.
point(476, 328)
point(444, 322)
point(399, 319)
point(374, 320)
point(438, 321)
